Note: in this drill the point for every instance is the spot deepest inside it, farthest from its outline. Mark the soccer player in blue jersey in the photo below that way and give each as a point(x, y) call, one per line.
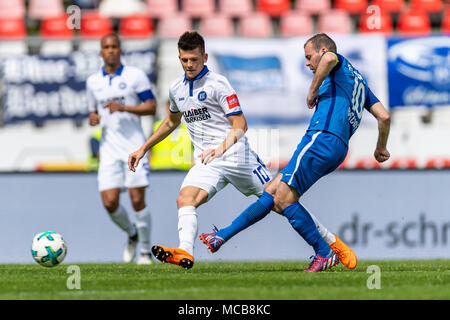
point(339, 94)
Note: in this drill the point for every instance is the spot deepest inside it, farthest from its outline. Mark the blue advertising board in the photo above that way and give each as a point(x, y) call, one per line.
point(419, 71)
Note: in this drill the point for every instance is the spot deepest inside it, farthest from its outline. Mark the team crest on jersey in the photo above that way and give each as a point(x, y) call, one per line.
point(202, 96)
point(199, 114)
point(122, 85)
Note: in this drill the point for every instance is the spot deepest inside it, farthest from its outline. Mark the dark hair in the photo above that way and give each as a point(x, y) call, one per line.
point(321, 40)
point(113, 35)
point(190, 40)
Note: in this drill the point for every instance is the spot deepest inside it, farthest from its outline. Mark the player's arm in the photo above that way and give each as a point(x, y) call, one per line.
point(146, 108)
point(94, 117)
point(238, 130)
point(169, 124)
point(381, 153)
point(328, 61)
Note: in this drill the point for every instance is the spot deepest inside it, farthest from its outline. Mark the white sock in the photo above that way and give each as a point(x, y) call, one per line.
point(120, 218)
point(143, 222)
point(324, 233)
point(187, 228)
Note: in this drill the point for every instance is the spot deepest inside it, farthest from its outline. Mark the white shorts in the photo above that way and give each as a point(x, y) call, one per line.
point(113, 175)
point(249, 177)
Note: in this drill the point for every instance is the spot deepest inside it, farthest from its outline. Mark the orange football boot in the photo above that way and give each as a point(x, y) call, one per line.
point(176, 256)
point(345, 254)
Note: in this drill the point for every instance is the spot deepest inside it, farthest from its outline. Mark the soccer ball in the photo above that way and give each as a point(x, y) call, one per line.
point(48, 248)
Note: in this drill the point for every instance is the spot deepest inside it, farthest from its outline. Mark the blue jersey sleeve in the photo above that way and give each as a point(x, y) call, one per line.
point(371, 99)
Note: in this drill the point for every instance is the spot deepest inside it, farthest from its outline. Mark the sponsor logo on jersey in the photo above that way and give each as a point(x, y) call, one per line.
point(120, 100)
point(199, 114)
point(232, 101)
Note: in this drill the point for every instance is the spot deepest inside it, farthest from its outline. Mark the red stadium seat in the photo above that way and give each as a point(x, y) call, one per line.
point(351, 6)
point(313, 6)
point(404, 163)
point(56, 28)
point(172, 27)
point(429, 6)
point(235, 8)
point(445, 27)
point(93, 25)
point(160, 8)
point(376, 24)
point(136, 26)
point(296, 23)
point(367, 163)
point(438, 163)
point(390, 6)
point(256, 25)
point(12, 29)
point(273, 7)
point(335, 21)
point(39, 9)
point(414, 22)
point(198, 8)
point(216, 26)
point(12, 9)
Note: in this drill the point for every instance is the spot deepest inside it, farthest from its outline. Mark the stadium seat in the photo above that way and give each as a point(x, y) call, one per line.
point(120, 8)
point(94, 25)
point(351, 6)
point(198, 8)
point(217, 26)
point(390, 6)
point(312, 6)
point(438, 163)
point(445, 27)
point(414, 22)
point(172, 27)
point(429, 6)
point(404, 163)
point(39, 9)
point(296, 23)
point(12, 29)
point(273, 7)
point(335, 21)
point(376, 24)
point(136, 26)
point(55, 28)
point(256, 25)
point(159, 8)
point(12, 9)
point(235, 8)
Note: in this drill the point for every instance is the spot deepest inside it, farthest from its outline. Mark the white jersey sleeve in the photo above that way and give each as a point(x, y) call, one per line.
point(173, 105)
point(227, 97)
point(90, 98)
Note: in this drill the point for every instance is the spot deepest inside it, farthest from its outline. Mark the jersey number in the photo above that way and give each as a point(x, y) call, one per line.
point(358, 96)
point(262, 175)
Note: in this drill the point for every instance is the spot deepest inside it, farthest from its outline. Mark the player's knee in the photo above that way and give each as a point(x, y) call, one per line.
point(111, 205)
point(138, 204)
point(184, 201)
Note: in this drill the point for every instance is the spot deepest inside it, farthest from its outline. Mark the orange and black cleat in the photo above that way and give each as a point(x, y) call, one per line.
point(345, 254)
point(176, 256)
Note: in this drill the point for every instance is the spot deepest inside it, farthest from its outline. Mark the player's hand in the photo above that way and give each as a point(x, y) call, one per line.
point(381, 155)
point(133, 159)
point(113, 106)
point(210, 154)
point(312, 100)
point(94, 118)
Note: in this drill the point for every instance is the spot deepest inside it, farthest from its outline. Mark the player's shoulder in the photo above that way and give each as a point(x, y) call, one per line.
point(93, 78)
point(133, 71)
point(217, 79)
point(177, 83)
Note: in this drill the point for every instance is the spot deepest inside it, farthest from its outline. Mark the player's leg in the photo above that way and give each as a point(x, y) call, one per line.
point(143, 223)
point(199, 185)
point(120, 217)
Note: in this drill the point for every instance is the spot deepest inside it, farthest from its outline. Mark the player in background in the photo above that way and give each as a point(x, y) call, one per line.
point(222, 155)
point(117, 96)
point(339, 95)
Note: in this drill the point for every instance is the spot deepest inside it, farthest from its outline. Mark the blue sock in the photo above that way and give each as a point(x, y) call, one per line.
point(302, 222)
point(255, 212)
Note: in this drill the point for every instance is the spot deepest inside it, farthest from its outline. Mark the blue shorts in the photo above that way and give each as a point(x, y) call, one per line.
point(318, 154)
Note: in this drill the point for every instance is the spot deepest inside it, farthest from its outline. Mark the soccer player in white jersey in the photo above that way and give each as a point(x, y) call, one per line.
point(217, 127)
point(117, 96)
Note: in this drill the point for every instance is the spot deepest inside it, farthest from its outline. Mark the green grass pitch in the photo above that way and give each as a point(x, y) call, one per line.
point(428, 279)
